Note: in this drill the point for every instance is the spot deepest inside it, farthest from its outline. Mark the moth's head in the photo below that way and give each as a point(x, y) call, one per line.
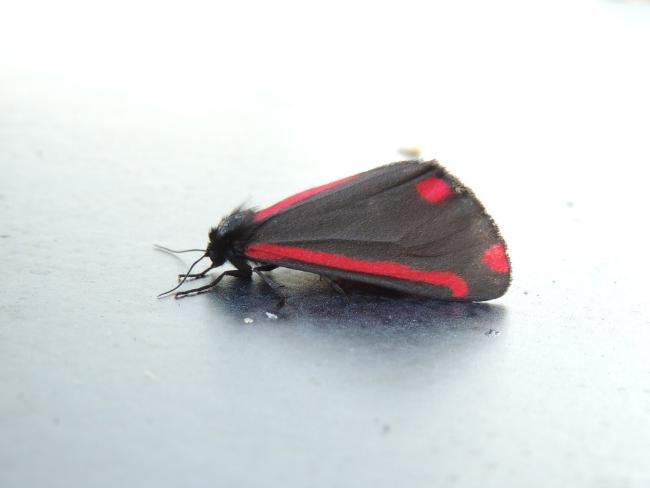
point(227, 241)
point(216, 250)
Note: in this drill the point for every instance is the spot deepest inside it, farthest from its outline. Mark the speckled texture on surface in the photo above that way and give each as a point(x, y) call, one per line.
point(103, 385)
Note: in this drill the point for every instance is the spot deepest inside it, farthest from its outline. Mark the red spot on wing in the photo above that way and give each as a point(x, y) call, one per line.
point(434, 189)
point(275, 252)
point(495, 258)
point(287, 202)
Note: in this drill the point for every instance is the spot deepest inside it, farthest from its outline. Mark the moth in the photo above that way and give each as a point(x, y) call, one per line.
point(409, 226)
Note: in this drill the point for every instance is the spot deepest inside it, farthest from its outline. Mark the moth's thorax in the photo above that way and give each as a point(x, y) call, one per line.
point(228, 237)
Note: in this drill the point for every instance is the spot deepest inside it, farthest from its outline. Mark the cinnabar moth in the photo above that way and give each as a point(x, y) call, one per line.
point(409, 226)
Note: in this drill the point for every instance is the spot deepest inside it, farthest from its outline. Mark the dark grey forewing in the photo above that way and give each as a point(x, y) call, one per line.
point(379, 216)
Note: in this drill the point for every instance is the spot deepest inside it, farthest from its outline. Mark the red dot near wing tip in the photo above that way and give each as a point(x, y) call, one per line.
point(434, 189)
point(495, 258)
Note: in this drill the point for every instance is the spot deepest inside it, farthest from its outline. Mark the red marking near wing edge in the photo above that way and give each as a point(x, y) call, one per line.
point(495, 258)
point(434, 189)
point(274, 252)
point(287, 202)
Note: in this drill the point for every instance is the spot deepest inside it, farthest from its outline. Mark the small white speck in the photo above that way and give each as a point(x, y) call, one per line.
point(272, 316)
point(151, 375)
point(248, 320)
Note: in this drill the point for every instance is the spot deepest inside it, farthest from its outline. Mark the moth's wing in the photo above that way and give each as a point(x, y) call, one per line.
point(410, 226)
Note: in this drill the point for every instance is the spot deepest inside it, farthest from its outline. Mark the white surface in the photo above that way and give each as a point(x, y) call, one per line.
point(132, 123)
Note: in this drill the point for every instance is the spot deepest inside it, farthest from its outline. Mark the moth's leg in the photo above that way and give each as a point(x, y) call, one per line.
point(277, 288)
point(194, 276)
point(336, 287)
point(266, 267)
point(202, 289)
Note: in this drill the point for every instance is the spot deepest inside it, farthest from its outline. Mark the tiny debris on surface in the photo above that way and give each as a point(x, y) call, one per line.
point(152, 376)
point(410, 152)
point(248, 320)
point(492, 332)
point(272, 316)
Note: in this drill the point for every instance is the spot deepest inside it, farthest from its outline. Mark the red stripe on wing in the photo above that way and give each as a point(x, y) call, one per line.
point(287, 202)
point(274, 252)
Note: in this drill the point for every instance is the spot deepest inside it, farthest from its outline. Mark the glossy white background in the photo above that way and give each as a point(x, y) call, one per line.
point(129, 123)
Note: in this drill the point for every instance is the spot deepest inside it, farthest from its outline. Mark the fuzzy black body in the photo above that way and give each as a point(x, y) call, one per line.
point(408, 226)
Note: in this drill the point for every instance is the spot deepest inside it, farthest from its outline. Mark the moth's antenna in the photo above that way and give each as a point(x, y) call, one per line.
point(172, 251)
point(184, 278)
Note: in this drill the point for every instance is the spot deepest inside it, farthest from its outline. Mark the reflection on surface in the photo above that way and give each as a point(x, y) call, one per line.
point(311, 299)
